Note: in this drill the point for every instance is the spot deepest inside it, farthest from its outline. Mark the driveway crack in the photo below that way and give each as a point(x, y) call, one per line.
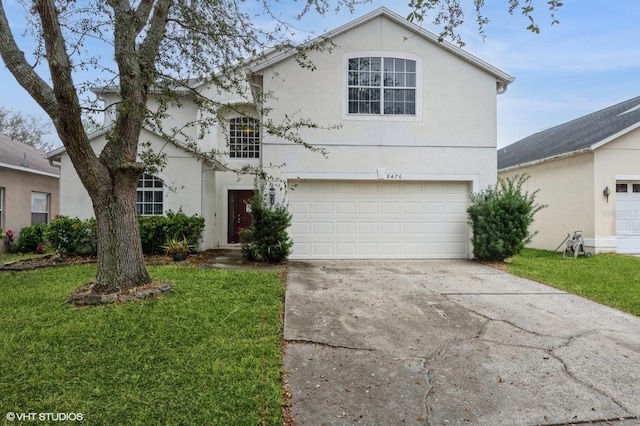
point(326, 345)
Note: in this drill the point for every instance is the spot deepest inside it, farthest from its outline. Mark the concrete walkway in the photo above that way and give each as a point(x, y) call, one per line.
point(452, 343)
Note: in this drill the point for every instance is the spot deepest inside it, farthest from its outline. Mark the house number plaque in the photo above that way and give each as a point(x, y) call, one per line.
point(391, 176)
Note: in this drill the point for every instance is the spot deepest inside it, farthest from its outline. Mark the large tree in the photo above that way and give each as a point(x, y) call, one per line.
point(157, 46)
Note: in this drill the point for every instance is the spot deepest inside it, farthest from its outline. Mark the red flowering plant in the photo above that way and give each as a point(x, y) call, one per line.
point(10, 240)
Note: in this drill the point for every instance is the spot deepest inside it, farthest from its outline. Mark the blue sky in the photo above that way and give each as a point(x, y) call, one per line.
point(589, 61)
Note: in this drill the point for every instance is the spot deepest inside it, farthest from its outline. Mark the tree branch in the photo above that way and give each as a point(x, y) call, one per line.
point(17, 64)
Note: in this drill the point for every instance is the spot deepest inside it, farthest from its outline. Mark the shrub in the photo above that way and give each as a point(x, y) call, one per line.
point(269, 239)
point(30, 237)
point(179, 225)
point(155, 231)
point(152, 233)
point(69, 235)
point(500, 218)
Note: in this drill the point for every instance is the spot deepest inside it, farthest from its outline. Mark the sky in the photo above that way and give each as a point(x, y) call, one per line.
point(587, 62)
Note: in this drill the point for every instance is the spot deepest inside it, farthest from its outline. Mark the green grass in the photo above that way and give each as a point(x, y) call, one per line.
point(207, 354)
point(610, 279)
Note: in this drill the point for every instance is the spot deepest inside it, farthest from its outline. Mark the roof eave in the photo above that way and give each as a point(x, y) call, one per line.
point(616, 135)
point(546, 159)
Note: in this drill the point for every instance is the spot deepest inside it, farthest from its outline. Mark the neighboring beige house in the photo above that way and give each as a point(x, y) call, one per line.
point(588, 173)
point(28, 186)
point(417, 135)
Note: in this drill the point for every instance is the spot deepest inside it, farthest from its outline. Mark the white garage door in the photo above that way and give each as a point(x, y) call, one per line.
point(340, 219)
point(628, 217)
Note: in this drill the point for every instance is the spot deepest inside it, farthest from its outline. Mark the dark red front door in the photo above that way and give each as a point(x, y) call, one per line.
point(239, 213)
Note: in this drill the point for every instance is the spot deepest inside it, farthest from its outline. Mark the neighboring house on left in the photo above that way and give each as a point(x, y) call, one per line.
point(28, 186)
point(417, 135)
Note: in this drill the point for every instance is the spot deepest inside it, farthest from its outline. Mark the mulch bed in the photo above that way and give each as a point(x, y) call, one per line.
point(52, 260)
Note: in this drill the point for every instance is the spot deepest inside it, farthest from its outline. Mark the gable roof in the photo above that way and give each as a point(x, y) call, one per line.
point(20, 156)
point(502, 78)
point(582, 134)
point(57, 153)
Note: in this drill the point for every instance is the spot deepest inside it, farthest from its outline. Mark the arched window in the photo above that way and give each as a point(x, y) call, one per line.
point(244, 137)
point(150, 196)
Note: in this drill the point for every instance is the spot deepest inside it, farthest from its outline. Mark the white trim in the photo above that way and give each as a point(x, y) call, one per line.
point(28, 170)
point(627, 177)
point(602, 243)
point(406, 177)
point(615, 136)
point(546, 160)
point(382, 117)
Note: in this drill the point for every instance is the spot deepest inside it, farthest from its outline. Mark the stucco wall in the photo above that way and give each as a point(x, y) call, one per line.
point(18, 187)
point(617, 159)
point(454, 133)
point(566, 187)
point(184, 178)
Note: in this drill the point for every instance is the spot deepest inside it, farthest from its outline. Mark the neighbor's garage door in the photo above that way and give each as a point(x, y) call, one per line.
point(339, 219)
point(628, 217)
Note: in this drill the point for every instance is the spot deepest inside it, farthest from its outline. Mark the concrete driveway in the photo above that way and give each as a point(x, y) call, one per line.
point(452, 343)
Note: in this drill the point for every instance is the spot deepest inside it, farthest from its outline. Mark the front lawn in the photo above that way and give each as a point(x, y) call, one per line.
point(207, 354)
point(610, 279)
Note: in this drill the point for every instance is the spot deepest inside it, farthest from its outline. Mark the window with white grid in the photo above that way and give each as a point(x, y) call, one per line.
point(150, 196)
point(378, 85)
point(244, 138)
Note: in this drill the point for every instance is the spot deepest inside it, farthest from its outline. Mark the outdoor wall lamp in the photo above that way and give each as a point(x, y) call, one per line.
point(606, 192)
point(272, 195)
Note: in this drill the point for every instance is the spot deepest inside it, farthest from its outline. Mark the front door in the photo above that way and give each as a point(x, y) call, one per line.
point(239, 213)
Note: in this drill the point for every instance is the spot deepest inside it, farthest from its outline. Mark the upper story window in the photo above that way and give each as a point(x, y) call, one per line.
point(379, 85)
point(149, 196)
point(39, 208)
point(244, 137)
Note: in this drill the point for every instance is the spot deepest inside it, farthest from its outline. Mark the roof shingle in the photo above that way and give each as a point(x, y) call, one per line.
point(575, 135)
point(16, 153)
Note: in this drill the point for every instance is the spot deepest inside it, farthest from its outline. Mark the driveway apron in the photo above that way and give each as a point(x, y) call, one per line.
point(452, 343)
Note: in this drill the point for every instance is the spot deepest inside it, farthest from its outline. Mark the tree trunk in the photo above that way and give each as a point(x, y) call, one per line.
point(120, 260)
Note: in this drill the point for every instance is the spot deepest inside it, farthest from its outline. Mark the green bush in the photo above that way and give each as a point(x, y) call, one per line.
point(500, 218)
point(152, 233)
point(155, 231)
point(72, 236)
point(180, 226)
point(31, 237)
point(269, 240)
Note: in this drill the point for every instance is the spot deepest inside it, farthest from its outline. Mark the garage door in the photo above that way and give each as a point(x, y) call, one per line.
point(340, 219)
point(628, 217)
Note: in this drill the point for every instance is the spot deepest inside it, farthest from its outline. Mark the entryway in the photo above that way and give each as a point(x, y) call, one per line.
point(239, 213)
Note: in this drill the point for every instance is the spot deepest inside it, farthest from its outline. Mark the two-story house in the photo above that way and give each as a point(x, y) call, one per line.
point(417, 135)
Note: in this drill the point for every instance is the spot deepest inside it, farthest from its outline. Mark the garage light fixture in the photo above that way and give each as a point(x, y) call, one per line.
point(272, 195)
point(606, 192)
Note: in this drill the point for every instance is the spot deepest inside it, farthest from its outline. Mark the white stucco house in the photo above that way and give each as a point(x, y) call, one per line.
point(417, 136)
point(588, 173)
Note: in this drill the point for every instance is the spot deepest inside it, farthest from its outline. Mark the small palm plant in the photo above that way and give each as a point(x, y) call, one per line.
point(179, 249)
